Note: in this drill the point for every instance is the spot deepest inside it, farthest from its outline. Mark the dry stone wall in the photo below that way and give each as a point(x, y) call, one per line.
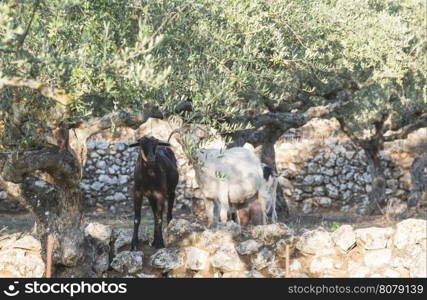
point(316, 173)
point(232, 251)
point(333, 173)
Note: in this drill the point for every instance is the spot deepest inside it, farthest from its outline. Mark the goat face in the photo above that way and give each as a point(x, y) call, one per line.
point(148, 147)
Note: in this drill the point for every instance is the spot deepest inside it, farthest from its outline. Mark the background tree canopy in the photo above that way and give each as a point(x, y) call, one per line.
point(226, 59)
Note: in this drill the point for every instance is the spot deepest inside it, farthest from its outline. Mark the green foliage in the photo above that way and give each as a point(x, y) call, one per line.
point(225, 57)
point(333, 226)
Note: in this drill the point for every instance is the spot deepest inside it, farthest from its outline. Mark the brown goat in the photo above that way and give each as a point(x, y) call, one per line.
point(156, 177)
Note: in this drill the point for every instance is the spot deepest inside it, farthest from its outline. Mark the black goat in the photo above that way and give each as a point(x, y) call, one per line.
point(156, 177)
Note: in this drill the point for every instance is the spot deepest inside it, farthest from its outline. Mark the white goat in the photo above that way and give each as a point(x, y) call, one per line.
point(271, 181)
point(233, 176)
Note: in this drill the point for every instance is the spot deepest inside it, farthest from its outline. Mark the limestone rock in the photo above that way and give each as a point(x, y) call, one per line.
point(324, 201)
point(280, 247)
point(226, 259)
point(356, 269)
point(120, 147)
point(276, 272)
point(101, 164)
point(128, 261)
point(180, 232)
point(315, 242)
point(123, 238)
point(20, 256)
point(143, 275)
point(376, 258)
point(410, 232)
point(321, 264)
point(167, 259)
point(21, 263)
point(99, 231)
point(119, 197)
point(269, 234)
point(374, 237)
point(344, 237)
point(248, 247)
point(418, 267)
point(197, 259)
point(96, 186)
point(262, 259)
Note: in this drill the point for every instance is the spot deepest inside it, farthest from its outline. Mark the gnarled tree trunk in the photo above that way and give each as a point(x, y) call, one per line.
point(418, 181)
point(372, 146)
point(57, 207)
point(377, 194)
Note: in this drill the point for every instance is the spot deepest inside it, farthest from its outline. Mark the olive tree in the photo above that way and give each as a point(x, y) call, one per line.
point(254, 69)
point(53, 57)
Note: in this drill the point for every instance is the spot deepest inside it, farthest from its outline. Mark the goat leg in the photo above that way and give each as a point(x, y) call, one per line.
point(158, 222)
point(170, 206)
point(209, 208)
point(224, 206)
point(216, 211)
point(137, 203)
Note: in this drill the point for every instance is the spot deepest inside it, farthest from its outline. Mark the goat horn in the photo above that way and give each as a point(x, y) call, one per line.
point(173, 132)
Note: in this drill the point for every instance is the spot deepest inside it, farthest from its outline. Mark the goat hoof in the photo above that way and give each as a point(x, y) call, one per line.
point(214, 225)
point(158, 245)
point(134, 246)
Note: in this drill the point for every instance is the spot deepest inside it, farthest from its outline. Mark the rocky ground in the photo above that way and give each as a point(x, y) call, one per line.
point(336, 249)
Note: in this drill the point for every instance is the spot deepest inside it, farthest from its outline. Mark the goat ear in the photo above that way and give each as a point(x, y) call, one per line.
point(164, 144)
point(134, 145)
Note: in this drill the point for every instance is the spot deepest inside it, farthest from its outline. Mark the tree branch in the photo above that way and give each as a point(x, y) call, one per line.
point(348, 131)
point(53, 93)
point(61, 165)
point(406, 130)
point(321, 111)
point(119, 118)
point(33, 13)
point(284, 121)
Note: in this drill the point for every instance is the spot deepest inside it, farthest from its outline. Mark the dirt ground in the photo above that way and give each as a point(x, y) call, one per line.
point(23, 222)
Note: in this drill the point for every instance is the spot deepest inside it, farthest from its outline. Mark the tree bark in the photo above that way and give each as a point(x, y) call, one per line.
point(372, 147)
point(418, 181)
point(377, 194)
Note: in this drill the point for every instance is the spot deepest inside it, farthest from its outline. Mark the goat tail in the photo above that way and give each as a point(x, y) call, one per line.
point(261, 200)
